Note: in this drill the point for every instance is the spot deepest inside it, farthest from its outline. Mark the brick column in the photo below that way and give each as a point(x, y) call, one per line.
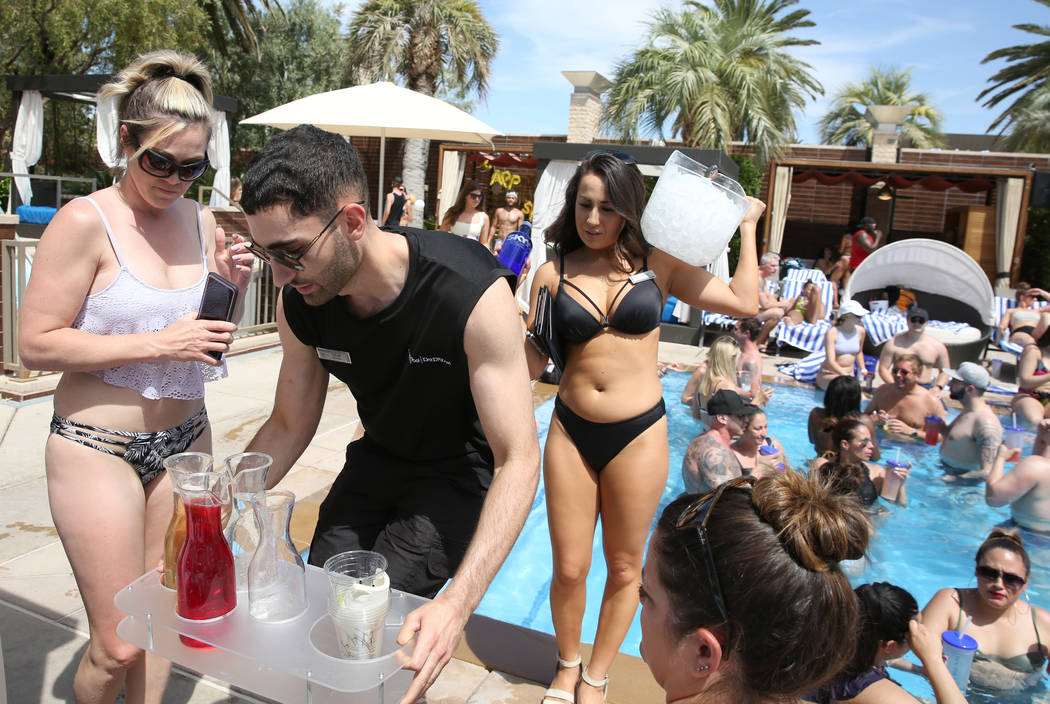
point(585, 105)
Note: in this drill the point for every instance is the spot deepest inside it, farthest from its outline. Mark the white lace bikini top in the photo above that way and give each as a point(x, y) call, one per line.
point(128, 306)
point(467, 229)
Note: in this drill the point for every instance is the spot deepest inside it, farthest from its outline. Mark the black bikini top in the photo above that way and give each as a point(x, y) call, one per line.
point(638, 313)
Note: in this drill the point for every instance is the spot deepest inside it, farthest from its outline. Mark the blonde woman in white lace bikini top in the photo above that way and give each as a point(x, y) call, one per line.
point(112, 302)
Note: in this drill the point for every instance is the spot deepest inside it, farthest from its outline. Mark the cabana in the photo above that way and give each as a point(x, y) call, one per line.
point(947, 282)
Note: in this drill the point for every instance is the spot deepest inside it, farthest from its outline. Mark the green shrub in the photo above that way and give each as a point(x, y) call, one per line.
point(1035, 257)
point(750, 179)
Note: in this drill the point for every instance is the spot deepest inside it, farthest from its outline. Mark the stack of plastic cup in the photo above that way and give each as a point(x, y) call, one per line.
point(1013, 437)
point(959, 650)
point(358, 600)
point(891, 484)
point(933, 429)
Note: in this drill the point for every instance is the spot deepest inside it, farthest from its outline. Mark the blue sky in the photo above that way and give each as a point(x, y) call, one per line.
point(943, 41)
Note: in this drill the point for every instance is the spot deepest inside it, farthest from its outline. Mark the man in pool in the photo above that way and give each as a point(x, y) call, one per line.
point(1027, 486)
point(902, 406)
point(915, 340)
point(709, 461)
point(423, 328)
point(969, 443)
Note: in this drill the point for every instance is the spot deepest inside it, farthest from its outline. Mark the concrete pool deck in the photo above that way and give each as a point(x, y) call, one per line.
point(43, 628)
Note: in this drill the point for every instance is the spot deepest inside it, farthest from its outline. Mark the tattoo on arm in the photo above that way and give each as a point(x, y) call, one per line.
point(988, 434)
point(717, 464)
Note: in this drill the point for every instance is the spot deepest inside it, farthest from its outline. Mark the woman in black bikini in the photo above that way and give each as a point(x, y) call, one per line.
point(607, 452)
point(1011, 655)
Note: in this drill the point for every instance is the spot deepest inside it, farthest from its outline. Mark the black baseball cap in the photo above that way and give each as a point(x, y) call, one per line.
point(917, 312)
point(729, 403)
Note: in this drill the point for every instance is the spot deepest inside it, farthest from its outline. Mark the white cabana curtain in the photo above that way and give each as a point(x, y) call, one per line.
point(219, 156)
point(27, 142)
point(453, 165)
point(547, 202)
point(107, 125)
point(778, 213)
point(720, 266)
point(1007, 218)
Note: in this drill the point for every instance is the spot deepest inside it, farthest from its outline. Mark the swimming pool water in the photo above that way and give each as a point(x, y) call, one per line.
point(922, 547)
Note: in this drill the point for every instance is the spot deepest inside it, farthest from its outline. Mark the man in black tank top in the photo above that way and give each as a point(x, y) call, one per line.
point(423, 328)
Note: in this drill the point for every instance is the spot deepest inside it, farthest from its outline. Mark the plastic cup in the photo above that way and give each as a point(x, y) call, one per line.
point(891, 484)
point(767, 449)
point(358, 601)
point(933, 429)
point(996, 368)
point(959, 650)
point(715, 205)
point(1013, 437)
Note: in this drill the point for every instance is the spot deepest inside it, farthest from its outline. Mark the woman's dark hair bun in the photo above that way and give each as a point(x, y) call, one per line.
point(817, 527)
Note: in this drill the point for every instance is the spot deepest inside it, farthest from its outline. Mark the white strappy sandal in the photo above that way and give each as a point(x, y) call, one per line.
point(602, 684)
point(560, 696)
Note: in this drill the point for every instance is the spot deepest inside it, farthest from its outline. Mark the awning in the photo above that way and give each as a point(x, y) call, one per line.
point(869, 178)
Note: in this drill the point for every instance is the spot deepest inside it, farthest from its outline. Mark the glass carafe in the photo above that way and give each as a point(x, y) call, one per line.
point(204, 578)
point(188, 463)
point(247, 471)
point(277, 575)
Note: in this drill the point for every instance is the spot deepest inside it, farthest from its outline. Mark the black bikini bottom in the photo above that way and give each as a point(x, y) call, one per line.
point(1027, 329)
point(600, 442)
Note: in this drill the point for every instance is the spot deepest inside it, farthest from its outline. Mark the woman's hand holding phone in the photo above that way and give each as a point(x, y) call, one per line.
point(191, 340)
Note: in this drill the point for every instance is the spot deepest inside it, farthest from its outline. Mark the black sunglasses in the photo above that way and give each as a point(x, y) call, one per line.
point(1010, 580)
point(156, 164)
point(292, 261)
point(917, 319)
point(474, 195)
point(622, 156)
point(697, 514)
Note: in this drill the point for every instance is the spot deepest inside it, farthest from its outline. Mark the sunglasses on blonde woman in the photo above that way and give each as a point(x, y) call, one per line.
point(696, 515)
point(156, 164)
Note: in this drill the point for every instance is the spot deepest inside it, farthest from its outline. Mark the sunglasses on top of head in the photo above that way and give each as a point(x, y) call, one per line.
point(156, 164)
point(622, 156)
point(1010, 580)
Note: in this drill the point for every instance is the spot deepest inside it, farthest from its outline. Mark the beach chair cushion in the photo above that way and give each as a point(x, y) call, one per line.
point(805, 275)
point(883, 326)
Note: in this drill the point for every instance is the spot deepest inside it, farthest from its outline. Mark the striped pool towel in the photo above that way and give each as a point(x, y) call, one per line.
point(804, 336)
point(806, 368)
point(805, 275)
point(882, 327)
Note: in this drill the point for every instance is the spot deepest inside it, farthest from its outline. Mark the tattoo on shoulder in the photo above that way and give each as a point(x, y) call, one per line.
point(987, 434)
point(717, 464)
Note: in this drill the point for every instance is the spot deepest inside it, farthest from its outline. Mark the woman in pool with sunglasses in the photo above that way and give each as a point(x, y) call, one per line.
point(113, 300)
point(607, 454)
point(1011, 654)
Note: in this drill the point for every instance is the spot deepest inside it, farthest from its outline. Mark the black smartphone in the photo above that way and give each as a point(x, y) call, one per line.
point(218, 302)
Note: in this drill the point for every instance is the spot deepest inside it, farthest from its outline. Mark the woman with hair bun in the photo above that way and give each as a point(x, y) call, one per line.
point(742, 596)
point(113, 300)
point(849, 465)
point(888, 629)
point(1011, 654)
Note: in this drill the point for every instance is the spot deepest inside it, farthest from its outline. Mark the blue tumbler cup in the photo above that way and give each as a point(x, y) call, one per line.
point(516, 248)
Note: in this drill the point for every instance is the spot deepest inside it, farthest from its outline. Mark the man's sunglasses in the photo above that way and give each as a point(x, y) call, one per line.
point(916, 319)
point(292, 261)
point(622, 156)
point(156, 164)
point(1010, 580)
point(697, 514)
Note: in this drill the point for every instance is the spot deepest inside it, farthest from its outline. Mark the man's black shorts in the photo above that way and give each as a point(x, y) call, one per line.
point(419, 515)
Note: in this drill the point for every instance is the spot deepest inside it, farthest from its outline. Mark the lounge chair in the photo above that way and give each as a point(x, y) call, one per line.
point(947, 282)
point(807, 336)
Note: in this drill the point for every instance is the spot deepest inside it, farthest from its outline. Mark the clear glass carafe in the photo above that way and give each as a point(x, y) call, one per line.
point(248, 472)
point(189, 463)
point(204, 576)
point(277, 575)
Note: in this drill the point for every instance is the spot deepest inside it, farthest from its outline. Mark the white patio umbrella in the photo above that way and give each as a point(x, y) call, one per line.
point(379, 110)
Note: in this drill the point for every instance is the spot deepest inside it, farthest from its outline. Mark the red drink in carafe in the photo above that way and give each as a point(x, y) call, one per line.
point(205, 579)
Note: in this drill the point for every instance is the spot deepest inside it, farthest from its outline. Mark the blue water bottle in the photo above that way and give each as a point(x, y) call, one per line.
point(516, 248)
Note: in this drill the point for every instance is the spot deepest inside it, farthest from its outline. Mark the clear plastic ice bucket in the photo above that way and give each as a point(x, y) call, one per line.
point(693, 211)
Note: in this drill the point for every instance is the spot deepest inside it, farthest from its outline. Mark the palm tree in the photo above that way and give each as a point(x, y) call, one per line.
point(429, 45)
point(717, 74)
point(1027, 70)
point(845, 124)
point(238, 16)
